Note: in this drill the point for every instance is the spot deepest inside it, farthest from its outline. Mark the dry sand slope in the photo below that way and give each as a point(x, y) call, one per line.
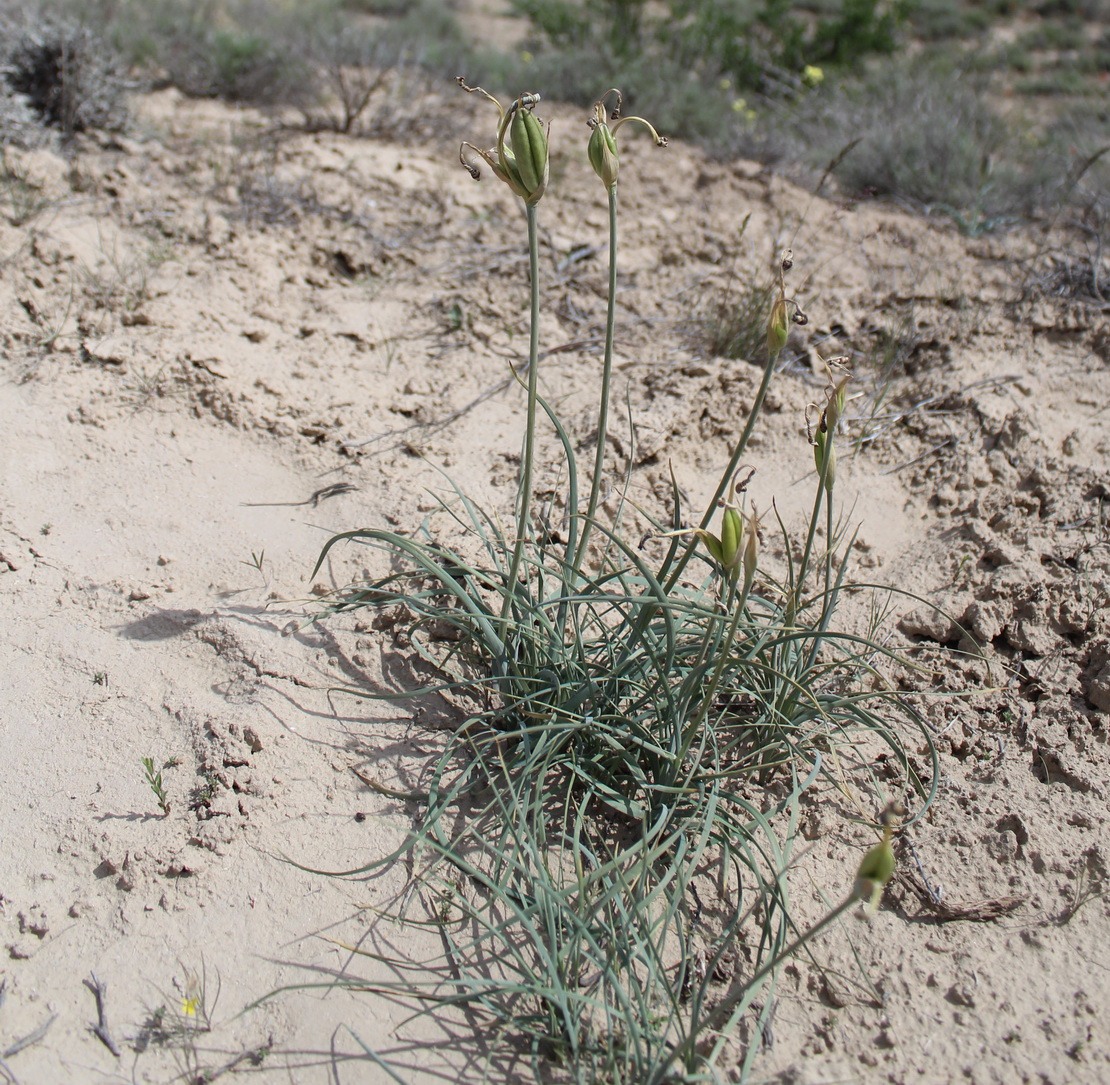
point(205, 325)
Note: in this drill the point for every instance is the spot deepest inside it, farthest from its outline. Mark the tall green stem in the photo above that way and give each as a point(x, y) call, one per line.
point(606, 381)
point(720, 1020)
point(724, 656)
point(733, 463)
point(824, 493)
point(524, 490)
point(828, 603)
point(830, 526)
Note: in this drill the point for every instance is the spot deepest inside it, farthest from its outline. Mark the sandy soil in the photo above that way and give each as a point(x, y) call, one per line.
point(222, 344)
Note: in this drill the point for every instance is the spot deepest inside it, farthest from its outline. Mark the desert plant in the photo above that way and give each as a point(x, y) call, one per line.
point(19, 126)
point(121, 279)
point(69, 78)
point(928, 136)
point(625, 722)
point(242, 65)
point(355, 64)
point(154, 779)
point(680, 61)
point(364, 70)
point(750, 44)
point(243, 50)
point(51, 325)
point(938, 20)
point(267, 53)
point(183, 1024)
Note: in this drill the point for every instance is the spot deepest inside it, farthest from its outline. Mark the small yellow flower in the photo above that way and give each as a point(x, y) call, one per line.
point(739, 105)
point(812, 75)
point(191, 995)
point(527, 57)
point(725, 83)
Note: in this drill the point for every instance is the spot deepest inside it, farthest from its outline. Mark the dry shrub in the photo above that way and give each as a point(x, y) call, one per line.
point(63, 76)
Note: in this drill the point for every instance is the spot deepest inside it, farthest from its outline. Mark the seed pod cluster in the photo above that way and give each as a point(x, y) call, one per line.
point(520, 155)
point(529, 152)
point(778, 326)
point(602, 148)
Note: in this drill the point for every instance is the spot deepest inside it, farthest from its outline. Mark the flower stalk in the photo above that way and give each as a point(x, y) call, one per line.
point(520, 159)
point(824, 453)
point(874, 871)
point(784, 311)
point(524, 486)
point(604, 158)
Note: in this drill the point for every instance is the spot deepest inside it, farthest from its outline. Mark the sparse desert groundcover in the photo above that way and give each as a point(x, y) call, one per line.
point(593, 789)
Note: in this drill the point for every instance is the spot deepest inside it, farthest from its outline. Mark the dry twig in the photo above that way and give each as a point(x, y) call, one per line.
point(100, 1029)
point(979, 911)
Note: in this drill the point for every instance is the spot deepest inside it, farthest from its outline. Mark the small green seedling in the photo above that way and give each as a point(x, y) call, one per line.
point(204, 794)
point(256, 560)
point(154, 778)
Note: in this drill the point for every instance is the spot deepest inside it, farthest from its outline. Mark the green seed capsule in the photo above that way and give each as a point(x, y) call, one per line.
point(602, 151)
point(878, 864)
point(732, 534)
point(825, 448)
point(875, 870)
point(510, 174)
point(529, 144)
point(778, 327)
point(712, 544)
